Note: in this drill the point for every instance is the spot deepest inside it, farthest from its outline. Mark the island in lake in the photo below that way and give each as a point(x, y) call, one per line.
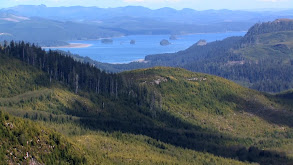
point(107, 41)
point(164, 42)
point(172, 37)
point(132, 42)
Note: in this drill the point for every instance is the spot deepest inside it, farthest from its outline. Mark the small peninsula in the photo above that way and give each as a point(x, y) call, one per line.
point(71, 45)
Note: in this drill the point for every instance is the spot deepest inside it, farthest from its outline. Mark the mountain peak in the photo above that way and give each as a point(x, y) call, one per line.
point(279, 25)
point(283, 20)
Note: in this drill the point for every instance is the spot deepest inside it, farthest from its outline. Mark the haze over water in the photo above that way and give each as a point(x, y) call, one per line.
point(121, 51)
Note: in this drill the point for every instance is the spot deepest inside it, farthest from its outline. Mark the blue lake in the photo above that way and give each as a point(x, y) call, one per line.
point(121, 51)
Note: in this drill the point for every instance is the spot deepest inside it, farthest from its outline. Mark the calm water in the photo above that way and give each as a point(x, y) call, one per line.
point(121, 51)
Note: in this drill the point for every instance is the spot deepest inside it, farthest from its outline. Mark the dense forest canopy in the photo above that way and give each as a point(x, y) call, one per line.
point(278, 25)
point(170, 106)
point(63, 68)
point(159, 115)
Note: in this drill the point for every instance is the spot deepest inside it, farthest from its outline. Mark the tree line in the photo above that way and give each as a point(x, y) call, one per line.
point(78, 76)
point(62, 68)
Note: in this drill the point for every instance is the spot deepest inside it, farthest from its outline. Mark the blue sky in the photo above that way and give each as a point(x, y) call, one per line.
point(154, 4)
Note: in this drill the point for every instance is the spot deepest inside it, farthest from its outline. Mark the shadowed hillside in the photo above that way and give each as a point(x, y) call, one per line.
point(117, 118)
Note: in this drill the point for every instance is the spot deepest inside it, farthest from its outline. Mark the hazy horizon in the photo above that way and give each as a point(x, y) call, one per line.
point(251, 10)
point(253, 5)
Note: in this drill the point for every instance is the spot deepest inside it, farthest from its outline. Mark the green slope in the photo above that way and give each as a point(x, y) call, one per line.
point(219, 105)
point(26, 142)
point(167, 116)
point(55, 106)
point(17, 78)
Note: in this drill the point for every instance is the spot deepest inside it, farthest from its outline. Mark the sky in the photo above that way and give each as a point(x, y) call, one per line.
point(155, 4)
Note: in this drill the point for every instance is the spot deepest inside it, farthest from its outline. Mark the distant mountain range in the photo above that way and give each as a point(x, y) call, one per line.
point(186, 16)
point(47, 32)
point(52, 26)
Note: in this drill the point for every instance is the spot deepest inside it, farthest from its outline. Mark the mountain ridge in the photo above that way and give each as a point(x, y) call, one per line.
point(26, 9)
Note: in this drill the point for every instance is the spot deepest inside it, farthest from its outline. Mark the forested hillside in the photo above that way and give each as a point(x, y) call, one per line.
point(278, 25)
point(150, 116)
point(261, 60)
point(23, 141)
point(45, 32)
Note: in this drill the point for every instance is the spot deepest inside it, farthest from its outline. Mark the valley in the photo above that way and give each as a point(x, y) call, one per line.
point(138, 82)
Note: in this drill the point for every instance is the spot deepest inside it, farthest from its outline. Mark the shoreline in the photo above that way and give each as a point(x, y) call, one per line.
point(187, 34)
point(139, 61)
point(80, 45)
point(71, 45)
point(122, 63)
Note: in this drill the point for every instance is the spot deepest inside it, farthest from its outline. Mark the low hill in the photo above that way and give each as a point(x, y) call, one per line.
point(149, 116)
point(46, 32)
point(217, 105)
point(188, 94)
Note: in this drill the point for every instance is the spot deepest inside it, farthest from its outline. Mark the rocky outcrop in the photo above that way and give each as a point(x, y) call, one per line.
point(172, 37)
point(107, 41)
point(164, 42)
point(132, 42)
point(201, 43)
